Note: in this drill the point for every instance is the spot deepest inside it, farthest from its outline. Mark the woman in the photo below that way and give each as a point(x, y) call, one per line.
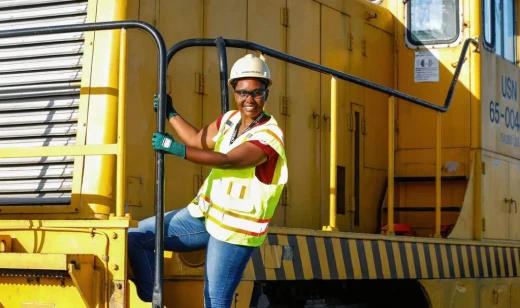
point(234, 206)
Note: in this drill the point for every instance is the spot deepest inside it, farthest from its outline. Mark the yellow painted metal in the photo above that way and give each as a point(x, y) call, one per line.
point(514, 198)
point(452, 293)
point(515, 294)
point(100, 88)
point(103, 240)
point(358, 111)
point(438, 153)
point(354, 236)
point(465, 225)
point(48, 293)
point(376, 38)
point(66, 224)
point(77, 150)
point(121, 128)
point(323, 31)
point(470, 293)
point(391, 163)
point(333, 151)
point(303, 135)
point(334, 40)
point(5, 243)
point(495, 199)
point(34, 261)
point(378, 69)
point(417, 152)
point(82, 278)
point(495, 295)
point(81, 132)
point(270, 12)
point(92, 231)
point(176, 21)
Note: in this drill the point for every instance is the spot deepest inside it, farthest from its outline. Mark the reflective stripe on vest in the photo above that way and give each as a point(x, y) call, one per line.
point(237, 206)
point(234, 221)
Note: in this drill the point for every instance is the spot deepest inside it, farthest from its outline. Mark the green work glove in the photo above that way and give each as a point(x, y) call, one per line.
point(170, 111)
point(166, 143)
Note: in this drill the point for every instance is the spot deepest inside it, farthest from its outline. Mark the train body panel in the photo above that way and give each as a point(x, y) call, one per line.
point(454, 242)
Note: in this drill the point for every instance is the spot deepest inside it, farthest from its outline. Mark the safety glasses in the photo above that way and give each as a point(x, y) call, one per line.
point(256, 93)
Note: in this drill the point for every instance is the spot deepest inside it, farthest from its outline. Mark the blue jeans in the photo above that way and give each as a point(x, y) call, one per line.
point(225, 263)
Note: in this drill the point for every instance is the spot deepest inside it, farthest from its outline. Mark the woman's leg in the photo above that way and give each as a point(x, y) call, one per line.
point(182, 233)
point(225, 264)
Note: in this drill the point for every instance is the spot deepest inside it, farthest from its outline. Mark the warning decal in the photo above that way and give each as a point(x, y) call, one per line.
point(426, 66)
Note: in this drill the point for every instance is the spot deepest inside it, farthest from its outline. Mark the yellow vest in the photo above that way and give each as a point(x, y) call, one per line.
point(236, 205)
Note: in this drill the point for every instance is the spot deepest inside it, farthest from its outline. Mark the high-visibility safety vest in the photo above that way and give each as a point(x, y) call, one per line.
point(238, 207)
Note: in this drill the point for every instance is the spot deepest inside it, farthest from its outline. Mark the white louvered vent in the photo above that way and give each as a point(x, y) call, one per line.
point(39, 98)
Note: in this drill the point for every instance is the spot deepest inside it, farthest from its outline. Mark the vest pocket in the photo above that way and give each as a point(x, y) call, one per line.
point(233, 195)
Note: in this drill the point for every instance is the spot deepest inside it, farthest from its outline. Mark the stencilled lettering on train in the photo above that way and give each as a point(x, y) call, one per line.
point(508, 116)
point(509, 88)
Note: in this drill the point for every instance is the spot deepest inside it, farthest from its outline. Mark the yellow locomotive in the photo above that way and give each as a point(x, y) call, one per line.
point(402, 134)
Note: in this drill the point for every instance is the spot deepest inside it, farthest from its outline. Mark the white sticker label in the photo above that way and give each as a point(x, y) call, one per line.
point(451, 166)
point(495, 163)
point(166, 143)
point(426, 66)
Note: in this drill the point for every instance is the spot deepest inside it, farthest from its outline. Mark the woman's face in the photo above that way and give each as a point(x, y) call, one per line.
point(250, 95)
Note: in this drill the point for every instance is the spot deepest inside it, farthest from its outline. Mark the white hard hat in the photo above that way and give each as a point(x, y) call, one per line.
point(250, 66)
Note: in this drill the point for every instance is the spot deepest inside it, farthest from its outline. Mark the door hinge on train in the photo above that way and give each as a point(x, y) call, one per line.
point(350, 122)
point(363, 126)
point(199, 83)
point(483, 224)
point(483, 167)
point(284, 16)
point(364, 48)
point(397, 126)
point(284, 105)
point(350, 42)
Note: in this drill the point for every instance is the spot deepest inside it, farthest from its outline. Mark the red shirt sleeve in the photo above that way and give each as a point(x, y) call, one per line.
point(219, 120)
point(265, 171)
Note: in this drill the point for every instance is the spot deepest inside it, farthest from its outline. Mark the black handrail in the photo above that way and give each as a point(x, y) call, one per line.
point(161, 111)
point(455, 78)
point(322, 69)
point(222, 56)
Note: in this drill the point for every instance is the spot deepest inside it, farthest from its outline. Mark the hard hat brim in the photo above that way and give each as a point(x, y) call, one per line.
point(267, 81)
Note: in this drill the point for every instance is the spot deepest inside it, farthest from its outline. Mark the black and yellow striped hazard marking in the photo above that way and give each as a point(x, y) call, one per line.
point(313, 257)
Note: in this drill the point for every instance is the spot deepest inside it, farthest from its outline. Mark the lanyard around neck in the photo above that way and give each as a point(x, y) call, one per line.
point(235, 132)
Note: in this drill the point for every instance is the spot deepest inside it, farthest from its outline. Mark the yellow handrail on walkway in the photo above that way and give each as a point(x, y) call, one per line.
point(391, 163)
point(121, 128)
point(438, 153)
point(333, 160)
